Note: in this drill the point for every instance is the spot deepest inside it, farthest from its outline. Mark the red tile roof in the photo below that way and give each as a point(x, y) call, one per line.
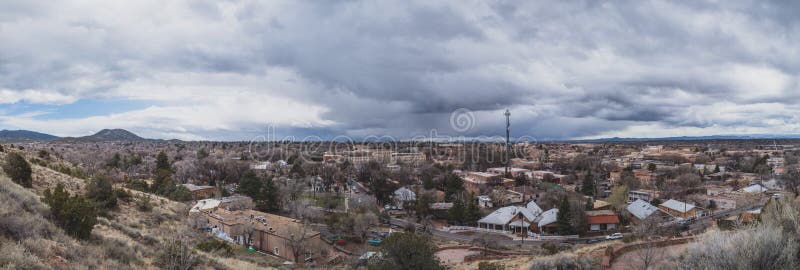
point(603, 219)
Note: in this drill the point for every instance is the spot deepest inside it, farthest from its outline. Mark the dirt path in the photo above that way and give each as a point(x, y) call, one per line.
point(454, 256)
point(663, 257)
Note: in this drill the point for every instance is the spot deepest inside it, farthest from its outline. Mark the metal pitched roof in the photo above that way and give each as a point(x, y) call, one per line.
point(641, 209)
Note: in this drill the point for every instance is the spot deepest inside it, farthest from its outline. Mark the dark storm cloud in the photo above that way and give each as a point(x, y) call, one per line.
point(566, 69)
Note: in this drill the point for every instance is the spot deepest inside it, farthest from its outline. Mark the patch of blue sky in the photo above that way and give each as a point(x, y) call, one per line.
point(80, 109)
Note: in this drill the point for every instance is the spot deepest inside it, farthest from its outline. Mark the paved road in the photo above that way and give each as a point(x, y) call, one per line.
point(705, 222)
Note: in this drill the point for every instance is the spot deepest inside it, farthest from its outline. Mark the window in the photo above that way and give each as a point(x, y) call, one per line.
point(276, 251)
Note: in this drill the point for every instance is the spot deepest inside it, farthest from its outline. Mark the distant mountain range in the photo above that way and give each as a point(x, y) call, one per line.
point(16, 136)
point(693, 138)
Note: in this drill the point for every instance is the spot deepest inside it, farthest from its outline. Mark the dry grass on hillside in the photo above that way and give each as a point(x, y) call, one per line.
point(29, 241)
point(127, 239)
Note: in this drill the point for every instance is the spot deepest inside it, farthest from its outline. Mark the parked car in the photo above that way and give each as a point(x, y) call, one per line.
point(379, 234)
point(592, 241)
point(614, 236)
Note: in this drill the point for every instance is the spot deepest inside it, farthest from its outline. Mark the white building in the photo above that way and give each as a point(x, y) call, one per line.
point(402, 196)
point(511, 218)
point(485, 201)
point(754, 189)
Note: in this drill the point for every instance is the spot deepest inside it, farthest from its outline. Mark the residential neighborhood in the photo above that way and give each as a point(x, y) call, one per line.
point(396, 135)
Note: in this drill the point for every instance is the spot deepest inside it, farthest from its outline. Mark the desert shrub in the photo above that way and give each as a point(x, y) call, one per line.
point(18, 169)
point(138, 184)
point(773, 244)
point(68, 170)
point(180, 193)
point(564, 261)
point(20, 227)
point(143, 203)
point(120, 251)
point(14, 256)
point(39, 247)
point(629, 238)
point(123, 194)
point(490, 266)
point(38, 162)
point(551, 248)
point(176, 256)
point(760, 248)
point(22, 214)
point(75, 214)
point(101, 192)
point(329, 202)
point(407, 250)
point(212, 245)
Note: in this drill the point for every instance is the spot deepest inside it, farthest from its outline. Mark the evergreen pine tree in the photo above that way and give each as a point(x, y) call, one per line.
point(457, 212)
point(588, 184)
point(270, 194)
point(163, 183)
point(472, 213)
point(162, 162)
point(564, 217)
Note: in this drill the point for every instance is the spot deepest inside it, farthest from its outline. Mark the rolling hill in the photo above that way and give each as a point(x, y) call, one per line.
point(106, 135)
point(13, 136)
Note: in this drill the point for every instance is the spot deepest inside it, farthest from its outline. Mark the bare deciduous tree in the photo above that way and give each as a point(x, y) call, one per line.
point(363, 223)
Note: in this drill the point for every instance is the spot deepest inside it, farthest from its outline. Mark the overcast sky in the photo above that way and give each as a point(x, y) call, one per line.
point(229, 70)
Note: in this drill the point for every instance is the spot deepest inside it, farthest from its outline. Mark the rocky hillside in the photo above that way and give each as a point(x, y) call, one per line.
point(129, 237)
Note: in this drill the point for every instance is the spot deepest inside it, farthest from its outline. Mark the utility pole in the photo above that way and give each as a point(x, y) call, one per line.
point(508, 146)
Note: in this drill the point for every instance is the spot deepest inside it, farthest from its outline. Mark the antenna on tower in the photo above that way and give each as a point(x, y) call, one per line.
point(508, 146)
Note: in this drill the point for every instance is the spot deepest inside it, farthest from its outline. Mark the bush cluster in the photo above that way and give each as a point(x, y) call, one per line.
point(18, 169)
point(75, 214)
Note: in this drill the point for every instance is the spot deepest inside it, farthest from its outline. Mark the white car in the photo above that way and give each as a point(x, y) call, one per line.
point(614, 236)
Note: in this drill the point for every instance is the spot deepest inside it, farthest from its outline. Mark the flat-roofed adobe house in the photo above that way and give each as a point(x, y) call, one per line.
point(643, 194)
point(200, 192)
point(513, 171)
point(680, 209)
point(236, 202)
point(277, 235)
